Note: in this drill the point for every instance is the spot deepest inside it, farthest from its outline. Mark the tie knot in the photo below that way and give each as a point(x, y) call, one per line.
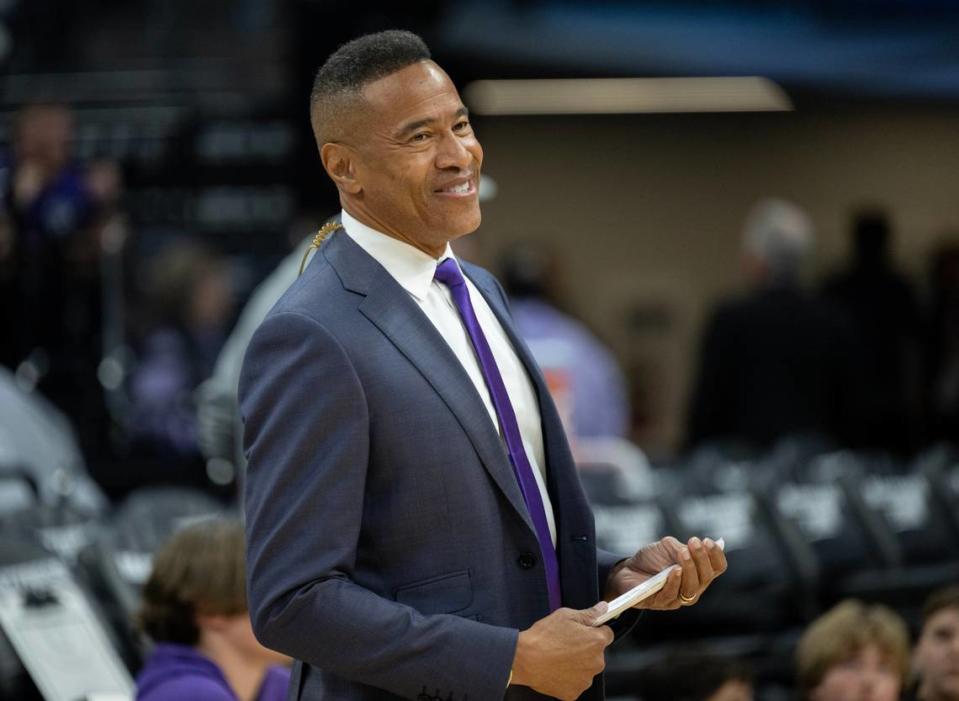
point(448, 272)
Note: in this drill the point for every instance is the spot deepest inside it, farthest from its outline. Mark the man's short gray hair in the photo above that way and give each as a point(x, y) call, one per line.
point(780, 234)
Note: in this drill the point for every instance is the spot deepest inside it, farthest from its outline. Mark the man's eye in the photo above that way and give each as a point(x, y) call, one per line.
point(462, 126)
point(422, 136)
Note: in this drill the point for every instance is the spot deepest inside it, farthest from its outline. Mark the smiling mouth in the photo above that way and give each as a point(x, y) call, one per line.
point(463, 188)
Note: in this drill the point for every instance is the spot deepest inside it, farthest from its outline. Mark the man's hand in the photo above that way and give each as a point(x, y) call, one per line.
point(559, 655)
point(700, 561)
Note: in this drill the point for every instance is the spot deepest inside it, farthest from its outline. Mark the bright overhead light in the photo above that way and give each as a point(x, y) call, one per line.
point(626, 95)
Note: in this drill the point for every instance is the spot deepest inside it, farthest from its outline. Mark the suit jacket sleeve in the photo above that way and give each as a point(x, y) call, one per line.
point(307, 442)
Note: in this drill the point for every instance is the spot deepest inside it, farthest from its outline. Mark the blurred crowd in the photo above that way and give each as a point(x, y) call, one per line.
point(865, 359)
point(200, 643)
point(119, 336)
point(194, 610)
point(116, 340)
point(853, 652)
point(140, 347)
point(54, 213)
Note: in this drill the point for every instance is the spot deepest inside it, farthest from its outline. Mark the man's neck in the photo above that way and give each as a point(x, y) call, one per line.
point(381, 227)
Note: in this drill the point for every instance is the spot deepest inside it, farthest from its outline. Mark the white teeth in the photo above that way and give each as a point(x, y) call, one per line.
point(460, 189)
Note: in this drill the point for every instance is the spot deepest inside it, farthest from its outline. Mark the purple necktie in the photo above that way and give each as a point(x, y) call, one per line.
point(449, 274)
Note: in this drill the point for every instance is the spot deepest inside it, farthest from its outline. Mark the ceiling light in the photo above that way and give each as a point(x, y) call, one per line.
point(626, 95)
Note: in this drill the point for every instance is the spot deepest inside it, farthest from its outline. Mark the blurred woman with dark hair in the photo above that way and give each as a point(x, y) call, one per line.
point(195, 610)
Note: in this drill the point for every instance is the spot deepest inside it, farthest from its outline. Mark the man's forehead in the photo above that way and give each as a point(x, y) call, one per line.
point(423, 73)
point(417, 86)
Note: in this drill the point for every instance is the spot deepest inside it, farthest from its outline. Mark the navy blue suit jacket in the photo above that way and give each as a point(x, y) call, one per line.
point(389, 548)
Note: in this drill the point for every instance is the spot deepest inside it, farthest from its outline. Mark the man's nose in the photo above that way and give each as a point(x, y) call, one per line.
point(453, 153)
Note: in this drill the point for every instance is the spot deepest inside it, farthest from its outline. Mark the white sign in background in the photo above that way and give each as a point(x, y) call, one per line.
point(62, 644)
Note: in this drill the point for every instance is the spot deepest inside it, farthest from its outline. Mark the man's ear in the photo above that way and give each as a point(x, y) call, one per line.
point(339, 161)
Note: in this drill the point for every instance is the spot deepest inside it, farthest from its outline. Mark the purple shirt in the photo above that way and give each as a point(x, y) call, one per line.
point(596, 398)
point(180, 673)
point(62, 208)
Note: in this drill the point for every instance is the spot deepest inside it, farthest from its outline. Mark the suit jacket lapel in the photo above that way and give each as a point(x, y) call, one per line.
point(389, 307)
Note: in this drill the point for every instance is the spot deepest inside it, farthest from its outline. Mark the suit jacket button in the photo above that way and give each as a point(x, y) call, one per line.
point(527, 560)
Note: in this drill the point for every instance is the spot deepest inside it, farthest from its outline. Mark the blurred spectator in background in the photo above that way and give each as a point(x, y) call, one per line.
point(220, 428)
point(190, 300)
point(583, 376)
point(853, 652)
point(775, 362)
point(49, 274)
point(942, 345)
point(936, 659)
point(694, 675)
point(46, 208)
point(195, 610)
point(882, 306)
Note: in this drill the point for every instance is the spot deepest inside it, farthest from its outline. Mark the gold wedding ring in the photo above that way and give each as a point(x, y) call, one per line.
point(687, 600)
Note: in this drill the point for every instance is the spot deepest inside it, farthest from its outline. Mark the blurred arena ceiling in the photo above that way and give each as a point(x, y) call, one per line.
point(855, 48)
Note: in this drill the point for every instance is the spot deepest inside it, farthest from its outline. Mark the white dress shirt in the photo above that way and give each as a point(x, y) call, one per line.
point(414, 270)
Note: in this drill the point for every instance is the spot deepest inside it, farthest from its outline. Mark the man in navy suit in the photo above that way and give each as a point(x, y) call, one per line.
point(416, 528)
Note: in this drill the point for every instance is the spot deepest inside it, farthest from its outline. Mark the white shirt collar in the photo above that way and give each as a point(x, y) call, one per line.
point(409, 266)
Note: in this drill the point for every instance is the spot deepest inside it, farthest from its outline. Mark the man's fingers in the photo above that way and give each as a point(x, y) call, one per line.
point(717, 558)
point(700, 562)
point(597, 610)
point(672, 543)
point(667, 597)
point(690, 585)
point(587, 616)
point(704, 568)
